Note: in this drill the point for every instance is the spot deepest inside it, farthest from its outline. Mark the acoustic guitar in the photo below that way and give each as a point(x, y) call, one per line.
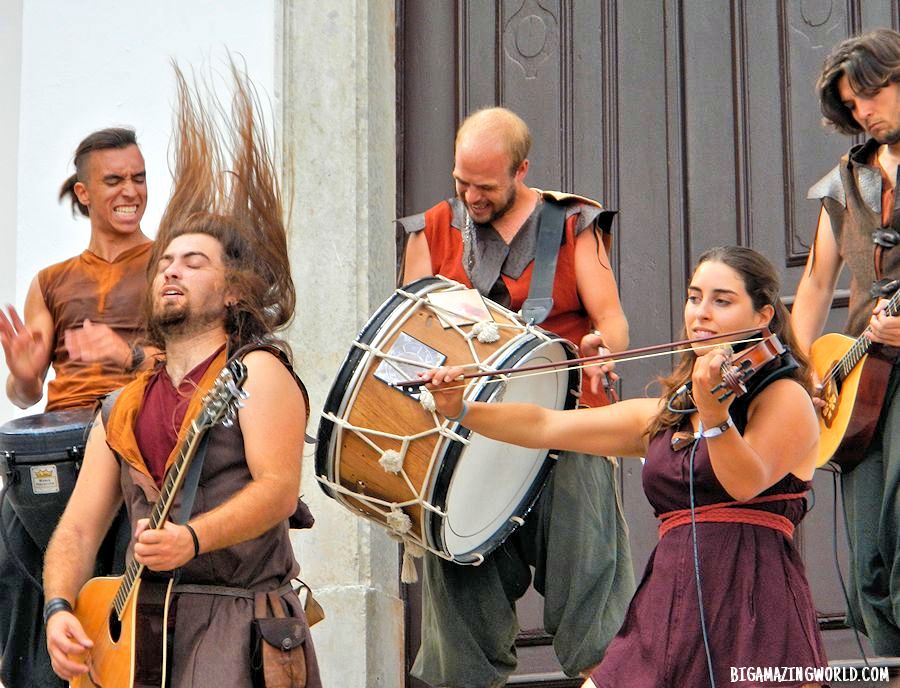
point(126, 616)
point(854, 381)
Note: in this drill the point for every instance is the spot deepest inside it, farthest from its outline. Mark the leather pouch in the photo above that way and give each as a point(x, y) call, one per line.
point(276, 645)
point(311, 607)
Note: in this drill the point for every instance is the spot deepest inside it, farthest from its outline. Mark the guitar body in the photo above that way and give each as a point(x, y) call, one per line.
point(852, 406)
point(130, 653)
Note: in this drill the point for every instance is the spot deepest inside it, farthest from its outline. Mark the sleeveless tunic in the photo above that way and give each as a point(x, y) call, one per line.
point(212, 632)
point(110, 293)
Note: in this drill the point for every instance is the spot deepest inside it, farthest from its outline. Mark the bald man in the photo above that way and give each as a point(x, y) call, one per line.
point(575, 537)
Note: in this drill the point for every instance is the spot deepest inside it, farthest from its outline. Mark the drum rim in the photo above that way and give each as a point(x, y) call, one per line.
point(62, 442)
point(439, 492)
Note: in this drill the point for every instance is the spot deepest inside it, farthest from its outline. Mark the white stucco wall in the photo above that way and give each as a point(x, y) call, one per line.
point(73, 67)
point(92, 64)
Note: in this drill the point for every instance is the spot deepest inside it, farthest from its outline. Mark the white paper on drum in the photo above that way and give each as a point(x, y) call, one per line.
point(404, 360)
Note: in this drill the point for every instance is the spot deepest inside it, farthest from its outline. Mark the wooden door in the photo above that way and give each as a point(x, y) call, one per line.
point(695, 119)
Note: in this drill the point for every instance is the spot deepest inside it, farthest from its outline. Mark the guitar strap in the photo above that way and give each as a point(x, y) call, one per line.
point(191, 482)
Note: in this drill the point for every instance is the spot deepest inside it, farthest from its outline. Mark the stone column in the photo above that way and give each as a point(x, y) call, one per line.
point(337, 115)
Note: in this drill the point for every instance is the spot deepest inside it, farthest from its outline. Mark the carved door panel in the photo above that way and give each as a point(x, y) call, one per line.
point(695, 119)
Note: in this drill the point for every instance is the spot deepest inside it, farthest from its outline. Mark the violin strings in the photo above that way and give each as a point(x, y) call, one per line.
point(590, 364)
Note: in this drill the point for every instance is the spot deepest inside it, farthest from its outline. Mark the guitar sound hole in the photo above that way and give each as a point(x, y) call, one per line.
point(115, 626)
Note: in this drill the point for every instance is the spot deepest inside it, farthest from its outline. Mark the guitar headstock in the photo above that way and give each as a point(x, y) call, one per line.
point(225, 397)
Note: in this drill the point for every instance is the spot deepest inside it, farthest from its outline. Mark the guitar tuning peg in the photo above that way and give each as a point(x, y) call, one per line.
point(230, 416)
point(235, 391)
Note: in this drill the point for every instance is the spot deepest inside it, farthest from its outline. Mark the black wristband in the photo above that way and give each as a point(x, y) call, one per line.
point(194, 538)
point(57, 604)
point(137, 358)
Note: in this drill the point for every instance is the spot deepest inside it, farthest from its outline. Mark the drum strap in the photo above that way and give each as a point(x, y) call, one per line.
point(551, 223)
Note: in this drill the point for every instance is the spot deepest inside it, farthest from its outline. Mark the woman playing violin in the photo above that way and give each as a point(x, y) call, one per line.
point(726, 476)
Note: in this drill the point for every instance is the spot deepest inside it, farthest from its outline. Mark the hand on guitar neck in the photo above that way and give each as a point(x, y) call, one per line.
point(162, 549)
point(884, 327)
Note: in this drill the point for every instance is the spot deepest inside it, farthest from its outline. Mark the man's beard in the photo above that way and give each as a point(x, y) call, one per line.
point(170, 320)
point(176, 321)
point(508, 203)
point(889, 138)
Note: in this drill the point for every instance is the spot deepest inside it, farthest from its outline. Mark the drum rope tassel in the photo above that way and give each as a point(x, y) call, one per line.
point(426, 398)
point(411, 551)
point(486, 331)
point(400, 524)
point(391, 461)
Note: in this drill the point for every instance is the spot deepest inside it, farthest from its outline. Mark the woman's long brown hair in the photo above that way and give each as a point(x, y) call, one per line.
point(226, 186)
point(762, 284)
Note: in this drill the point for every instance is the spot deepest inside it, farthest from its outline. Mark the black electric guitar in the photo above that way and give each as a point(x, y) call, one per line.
point(126, 616)
point(854, 382)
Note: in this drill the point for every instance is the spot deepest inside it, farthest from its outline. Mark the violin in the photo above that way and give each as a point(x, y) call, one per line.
point(737, 370)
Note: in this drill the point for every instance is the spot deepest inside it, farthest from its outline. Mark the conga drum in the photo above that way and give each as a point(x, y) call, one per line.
point(40, 457)
point(384, 455)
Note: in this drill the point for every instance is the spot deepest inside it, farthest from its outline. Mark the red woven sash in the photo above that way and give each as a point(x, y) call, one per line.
point(732, 512)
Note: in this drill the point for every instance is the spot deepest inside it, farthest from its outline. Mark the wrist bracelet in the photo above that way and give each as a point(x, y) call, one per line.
point(57, 604)
point(462, 414)
point(194, 538)
point(716, 430)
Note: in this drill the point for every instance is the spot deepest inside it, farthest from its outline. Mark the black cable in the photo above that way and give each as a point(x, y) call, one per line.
point(9, 550)
point(709, 662)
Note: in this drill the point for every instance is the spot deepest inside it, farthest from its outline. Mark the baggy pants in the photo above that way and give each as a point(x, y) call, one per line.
point(24, 662)
point(577, 541)
point(871, 495)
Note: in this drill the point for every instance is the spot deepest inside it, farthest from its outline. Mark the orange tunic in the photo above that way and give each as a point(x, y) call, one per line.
point(111, 293)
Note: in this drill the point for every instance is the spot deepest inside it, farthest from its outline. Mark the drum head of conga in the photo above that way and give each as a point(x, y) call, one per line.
point(32, 439)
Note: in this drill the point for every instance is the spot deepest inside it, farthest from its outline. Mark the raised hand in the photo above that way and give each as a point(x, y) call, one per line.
point(27, 352)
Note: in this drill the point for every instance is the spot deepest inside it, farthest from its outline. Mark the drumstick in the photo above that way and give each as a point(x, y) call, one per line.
point(592, 360)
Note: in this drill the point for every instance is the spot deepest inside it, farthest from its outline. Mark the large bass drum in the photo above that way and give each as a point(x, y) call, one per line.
point(382, 454)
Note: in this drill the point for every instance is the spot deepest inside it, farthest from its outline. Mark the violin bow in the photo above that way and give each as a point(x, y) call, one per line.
point(586, 360)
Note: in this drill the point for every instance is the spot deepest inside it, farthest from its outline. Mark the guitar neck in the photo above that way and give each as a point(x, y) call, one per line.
point(174, 479)
point(861, 346)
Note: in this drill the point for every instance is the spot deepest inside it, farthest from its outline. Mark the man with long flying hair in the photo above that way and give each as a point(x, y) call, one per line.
point(220, 287)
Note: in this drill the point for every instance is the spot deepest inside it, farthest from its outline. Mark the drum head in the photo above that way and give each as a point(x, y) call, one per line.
point(46, 437)
point(485, 485)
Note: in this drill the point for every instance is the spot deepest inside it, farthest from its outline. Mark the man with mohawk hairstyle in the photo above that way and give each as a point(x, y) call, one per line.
point(82, 318)
point(220, 287)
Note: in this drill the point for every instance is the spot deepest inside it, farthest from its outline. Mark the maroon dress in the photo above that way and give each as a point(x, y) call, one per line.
point(758, 606)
